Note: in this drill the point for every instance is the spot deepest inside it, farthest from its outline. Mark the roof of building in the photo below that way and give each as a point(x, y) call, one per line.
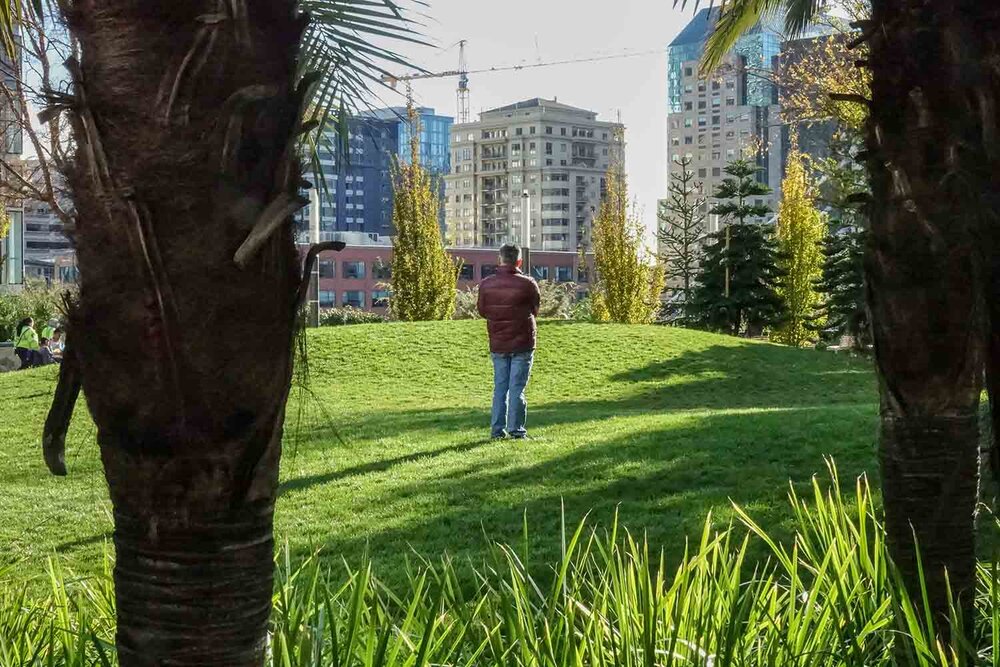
point(540, 102)
point(699, 28)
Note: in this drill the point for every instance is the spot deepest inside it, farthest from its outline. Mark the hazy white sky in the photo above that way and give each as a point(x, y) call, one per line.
point(510, 32)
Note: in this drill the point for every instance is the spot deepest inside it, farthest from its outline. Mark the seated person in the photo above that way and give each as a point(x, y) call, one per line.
point(44, 356)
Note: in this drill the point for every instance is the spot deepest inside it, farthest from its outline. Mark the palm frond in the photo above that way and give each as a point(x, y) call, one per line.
point(353, 46)
point(738, 16)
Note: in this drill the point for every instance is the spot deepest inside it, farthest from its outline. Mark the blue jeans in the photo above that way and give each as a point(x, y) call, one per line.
point(510, 408)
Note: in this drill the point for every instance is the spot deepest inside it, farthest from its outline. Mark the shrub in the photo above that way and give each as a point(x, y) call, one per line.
point(37, 300)
point(558, 301)
point(337, 317)
point(830, 598)
point(466, 304)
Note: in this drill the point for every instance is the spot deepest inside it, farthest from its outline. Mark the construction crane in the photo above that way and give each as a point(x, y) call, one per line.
point(463, 72)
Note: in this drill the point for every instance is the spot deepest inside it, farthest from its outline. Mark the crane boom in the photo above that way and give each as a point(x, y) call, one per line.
point(392, 79)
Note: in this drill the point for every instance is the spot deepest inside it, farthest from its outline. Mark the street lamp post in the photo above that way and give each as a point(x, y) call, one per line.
point(526, 232)
point(314, 214)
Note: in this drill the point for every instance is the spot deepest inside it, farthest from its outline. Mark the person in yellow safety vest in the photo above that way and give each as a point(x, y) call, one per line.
point(48, 331)
point(26, 343)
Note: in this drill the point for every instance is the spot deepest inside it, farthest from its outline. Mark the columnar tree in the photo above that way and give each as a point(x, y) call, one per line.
point(628, 286)
point(424, 276)
point(738, 275)
point(800, 233)
point(186, 117)
point(931, 264)
point(681, 229)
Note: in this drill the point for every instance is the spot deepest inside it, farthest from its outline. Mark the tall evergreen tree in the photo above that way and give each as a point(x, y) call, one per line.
point(424, 276)
point(842, 310)
point(739, 275)
point(800, 232)
point(681, 228)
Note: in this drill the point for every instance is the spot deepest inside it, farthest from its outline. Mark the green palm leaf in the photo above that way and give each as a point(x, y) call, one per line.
point(738, 16)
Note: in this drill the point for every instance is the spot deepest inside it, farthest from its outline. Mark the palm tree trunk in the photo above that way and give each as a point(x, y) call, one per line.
point(185, 116)
point(924, 140)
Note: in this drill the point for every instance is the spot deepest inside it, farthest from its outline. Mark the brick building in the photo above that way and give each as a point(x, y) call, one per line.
point(358, 275)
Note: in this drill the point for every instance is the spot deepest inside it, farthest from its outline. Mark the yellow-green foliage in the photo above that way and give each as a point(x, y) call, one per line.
point(801, 228)
point(628, 287)
point(424, 277)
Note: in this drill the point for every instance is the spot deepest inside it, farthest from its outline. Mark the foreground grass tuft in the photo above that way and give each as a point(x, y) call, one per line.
point(830, 599)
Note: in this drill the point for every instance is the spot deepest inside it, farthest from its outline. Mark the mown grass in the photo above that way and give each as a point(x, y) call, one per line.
point(386, 451)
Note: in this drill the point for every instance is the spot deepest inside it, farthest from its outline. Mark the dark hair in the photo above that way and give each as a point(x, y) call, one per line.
point(43, 341)
point(23, 324)
point(509, 254)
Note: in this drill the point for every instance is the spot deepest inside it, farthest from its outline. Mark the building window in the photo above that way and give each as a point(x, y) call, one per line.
point(716, 171)
point(716, 120)
point(487, 270)
point(354, 270)
point(688, 106)
point(688, 141)
point(548, 148)
point(327, 269)
point(548, 130)
point(582, 274)
point(354, 299)
point(380, 299)
point(564, 274)
point(688, 122)
point(702, 173)
point(381, 270)
point(532, 130)
point(519, 132)
point(562, 131)
point(716, 85)
point(468, 272)
point(540, 272)
point(716, 101)
point(730, 101)
point(326, 299)
point(701, 86)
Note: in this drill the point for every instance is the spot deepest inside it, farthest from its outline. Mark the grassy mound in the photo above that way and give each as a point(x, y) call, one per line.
point(386, 448)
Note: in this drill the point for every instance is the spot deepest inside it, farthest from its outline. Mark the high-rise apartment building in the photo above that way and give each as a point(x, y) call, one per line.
point(538, 158)
point(733, 113)
point(356, 186)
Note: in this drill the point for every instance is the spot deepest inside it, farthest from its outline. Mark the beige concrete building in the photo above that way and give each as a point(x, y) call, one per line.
point(733, 113)
point(537, 158)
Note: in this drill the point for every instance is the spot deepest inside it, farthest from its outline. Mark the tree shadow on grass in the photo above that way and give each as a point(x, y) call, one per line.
point(662, 482)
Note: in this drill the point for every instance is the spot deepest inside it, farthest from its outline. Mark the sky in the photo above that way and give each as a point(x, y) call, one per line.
point(512, 32)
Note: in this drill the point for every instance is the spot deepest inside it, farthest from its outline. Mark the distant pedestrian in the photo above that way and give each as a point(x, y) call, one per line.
point(45, 356)
point(509, 301)
point(26, 343)
point(49, 330)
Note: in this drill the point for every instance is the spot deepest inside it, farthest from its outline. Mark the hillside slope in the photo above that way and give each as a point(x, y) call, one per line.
point(386, 446)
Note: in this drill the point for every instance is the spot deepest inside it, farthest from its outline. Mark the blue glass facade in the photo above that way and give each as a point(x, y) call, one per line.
point(356, 184)
point(758, 48)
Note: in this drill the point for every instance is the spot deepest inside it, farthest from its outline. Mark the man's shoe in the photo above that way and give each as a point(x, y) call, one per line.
point(521, 436)
point(498, 436)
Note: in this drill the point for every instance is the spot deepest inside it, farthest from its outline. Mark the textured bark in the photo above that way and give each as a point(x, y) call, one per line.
point(928, 158)
point(185, 116)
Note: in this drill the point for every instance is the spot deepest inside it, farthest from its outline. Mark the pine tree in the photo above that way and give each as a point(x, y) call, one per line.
point(424, 276)
point(738, 275)
point(681, 228)
point(628, 288)
point(800, 232)
point(843, 310)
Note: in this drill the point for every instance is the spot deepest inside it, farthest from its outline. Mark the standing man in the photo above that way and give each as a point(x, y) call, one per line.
point(509, 300)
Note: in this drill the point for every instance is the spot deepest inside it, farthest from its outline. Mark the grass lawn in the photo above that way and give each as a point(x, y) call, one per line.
point(386, 446)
